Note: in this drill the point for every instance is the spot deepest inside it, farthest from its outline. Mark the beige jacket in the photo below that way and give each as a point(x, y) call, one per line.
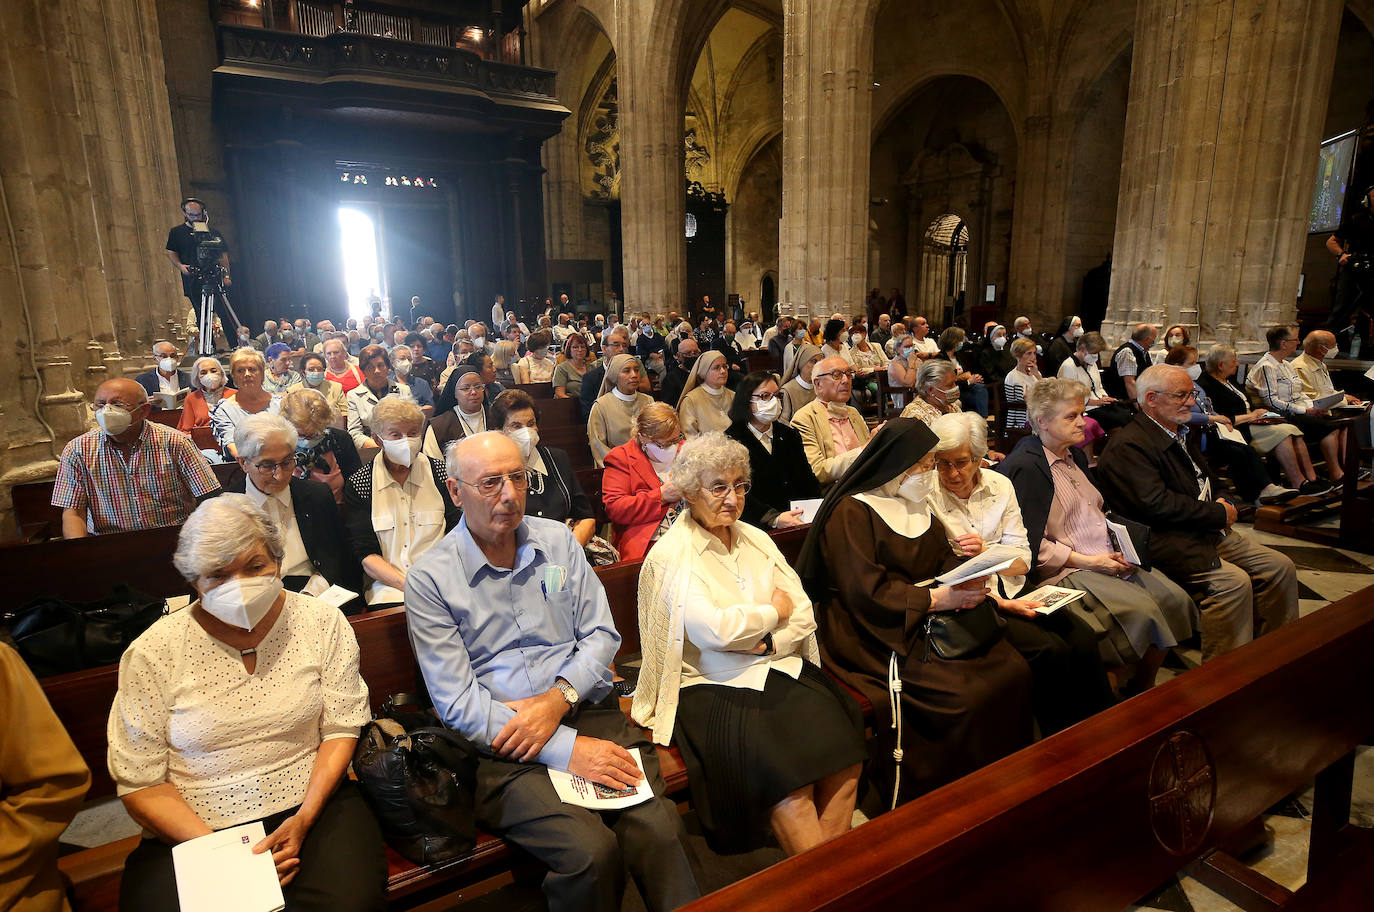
point(812, 421)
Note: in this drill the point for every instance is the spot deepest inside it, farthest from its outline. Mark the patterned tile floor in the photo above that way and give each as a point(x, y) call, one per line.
point(1324, 575)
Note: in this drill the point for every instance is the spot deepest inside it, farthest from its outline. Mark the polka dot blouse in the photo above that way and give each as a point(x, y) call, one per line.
point(237, 746)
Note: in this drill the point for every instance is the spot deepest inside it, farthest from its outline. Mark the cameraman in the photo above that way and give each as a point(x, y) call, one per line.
point(182, 242)
point(1353, 246)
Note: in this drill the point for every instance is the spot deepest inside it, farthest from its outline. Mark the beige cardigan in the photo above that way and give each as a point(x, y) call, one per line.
point(812, 421)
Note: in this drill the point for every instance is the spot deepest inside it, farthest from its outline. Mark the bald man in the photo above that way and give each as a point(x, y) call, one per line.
point(129, 473)
point(1130, 360)
point(833, 432)
point(514, 637)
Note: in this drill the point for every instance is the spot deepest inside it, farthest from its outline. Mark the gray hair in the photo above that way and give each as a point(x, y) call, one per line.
point(397, 349)
point(701, 458)
point(220, 531)
point(257, 431)
point(1154, 379)
point(1217, 354)
point(1045, 397)
point(932, 372)
point(958, 429)
point(1092, 342)
point(392, 410)
point(195, 371)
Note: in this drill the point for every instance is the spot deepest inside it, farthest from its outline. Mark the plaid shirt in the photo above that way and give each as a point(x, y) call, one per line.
point(157, 486)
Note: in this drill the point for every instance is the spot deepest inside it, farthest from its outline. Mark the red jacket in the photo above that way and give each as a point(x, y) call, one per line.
point(631, 488)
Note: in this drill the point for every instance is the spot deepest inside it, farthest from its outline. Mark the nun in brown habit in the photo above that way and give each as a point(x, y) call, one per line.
point(965, 693)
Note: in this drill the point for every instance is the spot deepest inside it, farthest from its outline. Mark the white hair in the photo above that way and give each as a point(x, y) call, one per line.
point(932, 372)
point(195, 371)
point(257, 431)
point(393, 410)
point(1217, 354)
point(958, 429)
point(1155, 379)
point(220, 531)
point(708, 456)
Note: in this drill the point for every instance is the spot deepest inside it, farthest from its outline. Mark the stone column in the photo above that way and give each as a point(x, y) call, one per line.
point(827, 86)
point(87, 191)
point(1223, 119)
point(652, 183)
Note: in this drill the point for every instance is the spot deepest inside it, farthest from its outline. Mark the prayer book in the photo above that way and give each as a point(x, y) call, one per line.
point(993, 560)
point(573, 789)
point(220, 873)
point(1054, 598)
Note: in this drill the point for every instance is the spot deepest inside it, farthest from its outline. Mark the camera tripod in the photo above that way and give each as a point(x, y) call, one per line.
point(208, 291)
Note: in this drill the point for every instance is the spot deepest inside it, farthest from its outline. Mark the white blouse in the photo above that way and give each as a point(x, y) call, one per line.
point(992, 512)
point(728, 610)
point(237, 746)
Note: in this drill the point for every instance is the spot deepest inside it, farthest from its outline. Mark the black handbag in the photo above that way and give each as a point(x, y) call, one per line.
point(56, 636)
point(420, 778)
point(956, 634)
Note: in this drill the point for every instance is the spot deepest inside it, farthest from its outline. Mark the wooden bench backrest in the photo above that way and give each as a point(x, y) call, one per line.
point(1095, 816)
point(82, 699)
point(33, 509)
point(536, 390)
point(573, 440)
point(761, 359)
point(168, 417)
point(559, 413)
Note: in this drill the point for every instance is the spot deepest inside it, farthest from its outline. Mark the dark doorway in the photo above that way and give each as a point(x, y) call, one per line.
point(768, 298)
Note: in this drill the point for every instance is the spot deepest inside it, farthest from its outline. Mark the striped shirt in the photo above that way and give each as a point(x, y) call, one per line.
point(1076, 521)
point(1278, 386)
point(156, 486)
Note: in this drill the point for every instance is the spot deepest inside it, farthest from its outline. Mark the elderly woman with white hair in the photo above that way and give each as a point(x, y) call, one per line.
point(1136, 613)
point(705, 401)
point(397, 506)
point(978, 508)
point(248, 367)
point(937, 391)
point(243, 707)
point(317, 554)
point(208, 387)
point(731, 670)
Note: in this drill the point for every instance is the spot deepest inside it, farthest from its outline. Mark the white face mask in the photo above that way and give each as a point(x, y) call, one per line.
point(1090, 359)
point(856, 338)
point(242, 603)
point(768, 411)
point(114, 420)
point(167, 365)
point(1075, 332)
point(526, 438)
point(402, 452)
point(999, 342)
point(212, 382)
point(916, 488)
point(1025, 333)
point(1175, 340)
point(949, 394)
point(661, 453)
point(1194, 371)
point(402, 368)
point(1329, 353)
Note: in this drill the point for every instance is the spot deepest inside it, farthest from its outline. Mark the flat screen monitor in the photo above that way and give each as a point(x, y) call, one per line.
point(1336, 159)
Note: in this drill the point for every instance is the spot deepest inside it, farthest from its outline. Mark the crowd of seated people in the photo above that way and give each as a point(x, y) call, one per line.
point(353, 475)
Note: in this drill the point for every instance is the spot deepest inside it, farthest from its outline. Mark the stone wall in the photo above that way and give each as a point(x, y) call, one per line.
point(88, 188)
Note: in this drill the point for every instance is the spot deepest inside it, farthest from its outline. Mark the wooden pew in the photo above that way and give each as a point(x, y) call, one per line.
point(573, 439)
point(559, 413)
point(590, 481)
point(761, 359)
point(1098, 815)
point(168, 417)
point(34, 513)
point(1351, 502)
point(537, 391)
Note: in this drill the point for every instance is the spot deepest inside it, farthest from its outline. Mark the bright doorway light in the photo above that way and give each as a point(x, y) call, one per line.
point(362, 266)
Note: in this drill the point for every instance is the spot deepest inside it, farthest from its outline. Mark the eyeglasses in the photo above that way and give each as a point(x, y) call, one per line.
point(494, 484)
point(470, 389)
point(764, 397)
point(953, 465)
point(272, 468)
point(837, 375)
point(1177, 397)
point(718, 491)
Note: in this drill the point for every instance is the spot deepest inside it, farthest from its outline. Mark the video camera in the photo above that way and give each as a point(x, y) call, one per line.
point(209, 253)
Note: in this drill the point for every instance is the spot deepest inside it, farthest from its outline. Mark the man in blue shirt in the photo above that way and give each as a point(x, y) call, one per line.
point(514, 637)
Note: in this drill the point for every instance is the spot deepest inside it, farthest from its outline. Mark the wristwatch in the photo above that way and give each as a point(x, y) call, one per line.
point(567, 690)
